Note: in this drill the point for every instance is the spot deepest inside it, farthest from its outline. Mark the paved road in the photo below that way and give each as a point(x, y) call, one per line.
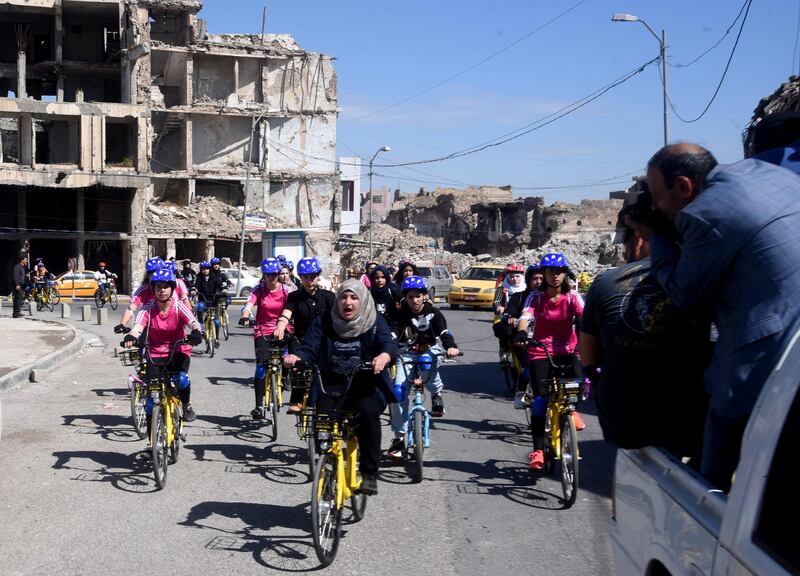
point(75, 499)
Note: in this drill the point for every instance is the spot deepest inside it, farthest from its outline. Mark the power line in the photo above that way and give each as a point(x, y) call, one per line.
point(724, 72)
point(796, 41)
point(469, 68)
point(718, 42)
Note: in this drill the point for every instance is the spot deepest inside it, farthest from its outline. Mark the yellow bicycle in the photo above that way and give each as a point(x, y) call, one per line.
point(271, 367)
point(336, 476)
point(210, 322)
point(45, 295)
point(108, 295)
point(138, 388)
point(561, 438)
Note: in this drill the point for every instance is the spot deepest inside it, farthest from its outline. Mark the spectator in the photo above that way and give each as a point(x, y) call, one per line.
point(740, 255)
point(776, 139)
point(630, 329)
point(20, 281)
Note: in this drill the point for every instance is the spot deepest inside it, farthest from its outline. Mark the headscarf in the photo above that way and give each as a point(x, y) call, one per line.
point(513, 289)
point(379, 292)
point(365, 317)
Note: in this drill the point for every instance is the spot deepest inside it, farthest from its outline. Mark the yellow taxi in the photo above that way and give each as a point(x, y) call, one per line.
point(81, 281)
point(475, 287)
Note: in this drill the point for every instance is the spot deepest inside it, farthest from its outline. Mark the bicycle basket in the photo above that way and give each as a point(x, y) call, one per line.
point(300, 380)
point(566, 390)
point(130, 357)
point(337, 423)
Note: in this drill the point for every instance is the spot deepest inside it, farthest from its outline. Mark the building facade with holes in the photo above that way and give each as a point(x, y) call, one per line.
point(127, 131)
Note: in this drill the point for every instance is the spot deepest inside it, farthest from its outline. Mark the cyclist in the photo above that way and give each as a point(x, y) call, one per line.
point(419, 324)
point(513, 283)
point(269, 299)
point(285, 276)
point(41, 276)
point(181, 290)
point(142, 295)
point(350, 333)
point(552, 312)
point(188, 274)
point(208, 288)
point(405, 269)
point(303, 306)
point(103, 277)
point(216, 270)
point(385, 293)
point(166, 318)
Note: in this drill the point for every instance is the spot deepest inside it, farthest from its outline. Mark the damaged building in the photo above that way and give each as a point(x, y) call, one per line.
point(127, 131)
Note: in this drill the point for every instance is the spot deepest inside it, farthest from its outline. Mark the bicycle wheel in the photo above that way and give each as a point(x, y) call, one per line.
point(358, 505)
point(159, 445)
point(326, 518)
point(113, 301)
point(419, 446)
point(211, 346)
point(307, 429)
point(99, 301)
point(39, 302)
point(224, 325)
point(55, 295)
point(273, 404)
point(509, 377)
point(175, 447)
point(48, 303)
point(138, 410)
point(569, 460)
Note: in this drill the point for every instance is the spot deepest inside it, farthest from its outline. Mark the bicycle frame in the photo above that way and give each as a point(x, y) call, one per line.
point(345, 450)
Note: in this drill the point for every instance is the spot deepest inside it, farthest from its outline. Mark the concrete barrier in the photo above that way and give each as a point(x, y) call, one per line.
point(65, 312)
point(86, 313)
point(102, 316)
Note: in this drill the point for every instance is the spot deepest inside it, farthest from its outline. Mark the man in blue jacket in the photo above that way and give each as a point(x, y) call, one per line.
point(738, 258)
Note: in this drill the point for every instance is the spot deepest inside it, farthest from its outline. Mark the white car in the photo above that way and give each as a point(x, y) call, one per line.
point(247, 283)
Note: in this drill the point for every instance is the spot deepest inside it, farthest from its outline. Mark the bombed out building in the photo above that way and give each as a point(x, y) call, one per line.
point(120, 118)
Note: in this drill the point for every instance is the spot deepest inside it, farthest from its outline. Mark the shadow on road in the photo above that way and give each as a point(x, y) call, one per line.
point(126, 472)
point(275, 462)
point(223, 380)
point(113, 427)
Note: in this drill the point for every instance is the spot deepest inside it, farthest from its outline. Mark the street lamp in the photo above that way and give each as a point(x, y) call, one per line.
point(244, 201)
point(383, 149)
point(662, 42)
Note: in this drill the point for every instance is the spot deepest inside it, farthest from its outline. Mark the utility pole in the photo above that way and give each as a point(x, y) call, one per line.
point(382, 149)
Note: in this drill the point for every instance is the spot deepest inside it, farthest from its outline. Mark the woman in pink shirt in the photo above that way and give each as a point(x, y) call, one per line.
point(165, 320)
point(553, 311)
point(269, 300)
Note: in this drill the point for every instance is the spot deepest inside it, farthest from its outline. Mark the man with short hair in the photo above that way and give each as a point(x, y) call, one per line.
point(739, 255)
point(20, 281)
point(644, 357)
point(776, 139)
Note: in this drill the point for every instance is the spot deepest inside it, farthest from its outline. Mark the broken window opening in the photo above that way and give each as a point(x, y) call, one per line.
point(57, 141)
point(348, 196)
point(9, 140)
point(121, 138)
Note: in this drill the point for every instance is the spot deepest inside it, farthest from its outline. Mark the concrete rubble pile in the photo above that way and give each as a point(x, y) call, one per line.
point(211, 216)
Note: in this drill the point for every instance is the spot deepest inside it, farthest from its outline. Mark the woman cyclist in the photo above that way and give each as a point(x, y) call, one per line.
point(385, 293)
point(269, 300)
point(405, 269)
point(303, 307)
point(142, 295)
point(285, 276)
point(512, 283)
point(166, 319)
point(553, 312)
point(350, 333)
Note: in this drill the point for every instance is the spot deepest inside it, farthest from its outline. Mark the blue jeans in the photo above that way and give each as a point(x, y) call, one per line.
point(433, 382)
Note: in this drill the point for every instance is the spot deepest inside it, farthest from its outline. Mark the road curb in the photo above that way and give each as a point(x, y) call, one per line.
point(48, 362)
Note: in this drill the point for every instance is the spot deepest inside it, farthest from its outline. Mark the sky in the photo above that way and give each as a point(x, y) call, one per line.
point(430, 78)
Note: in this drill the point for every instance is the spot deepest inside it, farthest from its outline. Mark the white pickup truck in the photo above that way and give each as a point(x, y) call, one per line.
point(667, 520)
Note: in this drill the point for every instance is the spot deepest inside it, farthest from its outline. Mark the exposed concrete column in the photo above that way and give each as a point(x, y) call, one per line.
point(170, 248)
point(191, 191)
point(80, 227)
point(26, 143)
point(188, 86)
point(137, 253)
point(189, 160)
point(235, 75)
point(59, 37)
point(143, 142)
point(209, 250)
point(22, 92)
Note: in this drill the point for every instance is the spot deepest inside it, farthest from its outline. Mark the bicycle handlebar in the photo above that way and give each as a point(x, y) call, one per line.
point(301, 365)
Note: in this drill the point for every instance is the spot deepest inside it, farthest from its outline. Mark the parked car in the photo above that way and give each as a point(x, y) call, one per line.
point(668, 520)
point(475, 287)
point(246, 285)
point(81, 281)
point(437, 279)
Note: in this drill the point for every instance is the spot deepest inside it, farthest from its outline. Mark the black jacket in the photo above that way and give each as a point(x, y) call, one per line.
point(424, 328)
point(306, 307)
point(208, 286)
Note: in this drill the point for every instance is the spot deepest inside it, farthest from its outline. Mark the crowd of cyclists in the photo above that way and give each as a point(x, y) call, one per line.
point(375, 318)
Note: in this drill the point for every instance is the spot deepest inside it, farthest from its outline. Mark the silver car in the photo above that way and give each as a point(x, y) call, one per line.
point(437, 279)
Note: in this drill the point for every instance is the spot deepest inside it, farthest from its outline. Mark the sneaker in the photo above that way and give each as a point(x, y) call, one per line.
point(257, 413)
point(146, 454)
point(188, 413)
point(577, 419)
point(397, 448)
point(295, 408)
point(537, 460)
point(519, 400)
point(437, 406)
point(369, 484)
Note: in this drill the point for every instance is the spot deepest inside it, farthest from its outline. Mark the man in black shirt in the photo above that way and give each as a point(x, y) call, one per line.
point(303, 306)
point(20, 281)
point(650, 355)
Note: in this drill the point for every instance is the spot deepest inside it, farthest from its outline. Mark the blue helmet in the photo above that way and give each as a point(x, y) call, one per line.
point(215, 260)
point(281, 258)
point(530, 271)
point(308, 266)
point(201, 306)
point(289, 264)
point(163, 275)
point(154, 264)
point(270, 266)
point(414, 283)
point(204, 264)
point(554, 260)
point(170, 264)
